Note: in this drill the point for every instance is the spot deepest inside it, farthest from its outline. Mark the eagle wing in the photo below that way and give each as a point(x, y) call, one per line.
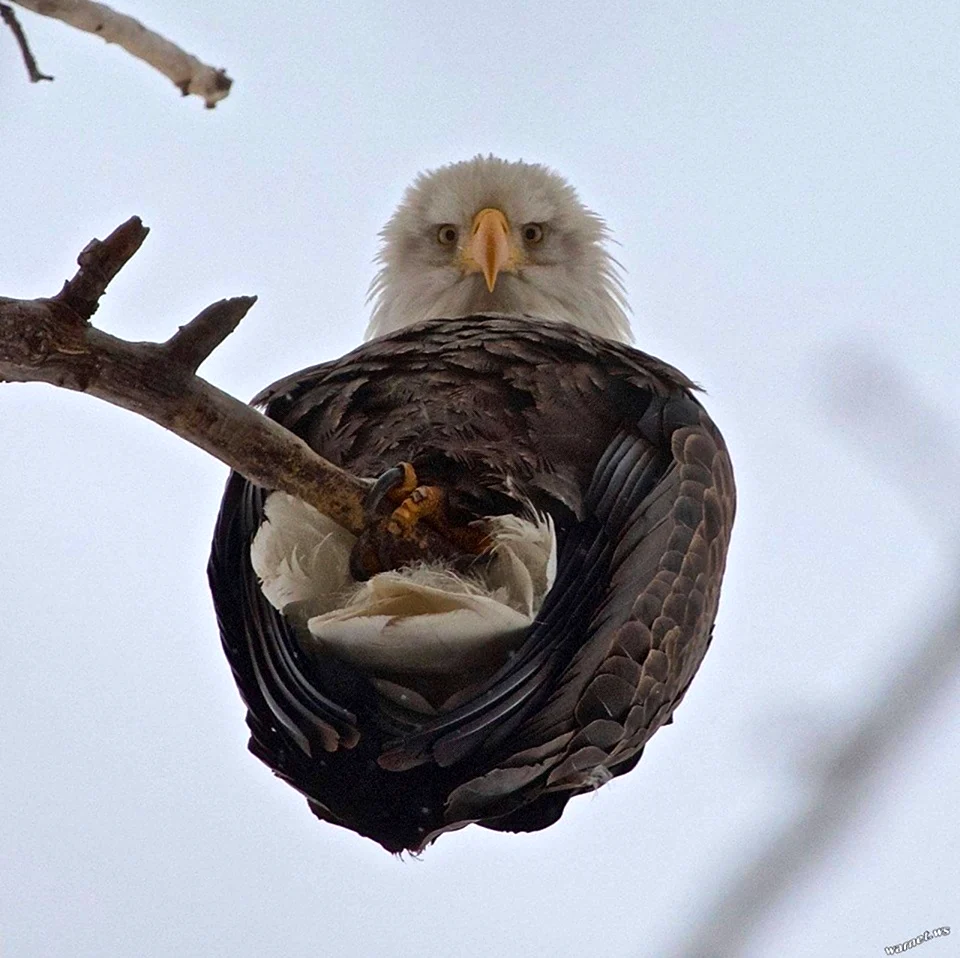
point(610, 442)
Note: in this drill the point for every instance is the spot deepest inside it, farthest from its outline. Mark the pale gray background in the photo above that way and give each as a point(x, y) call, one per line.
point(783, 179)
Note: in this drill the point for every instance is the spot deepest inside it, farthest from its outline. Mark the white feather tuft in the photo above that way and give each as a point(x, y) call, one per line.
point(301, 557)
point(400, 623)
point(425, 620)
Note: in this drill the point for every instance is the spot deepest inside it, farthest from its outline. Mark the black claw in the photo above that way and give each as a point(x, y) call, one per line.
point(387, 482)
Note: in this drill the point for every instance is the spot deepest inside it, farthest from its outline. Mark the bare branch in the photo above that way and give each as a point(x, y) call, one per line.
point(10, 19)
point(886, 414)
point(99, 262)
point(188, 74)
point(901, 433)
point(191, 344)
point(51, 341)
point(834, 797)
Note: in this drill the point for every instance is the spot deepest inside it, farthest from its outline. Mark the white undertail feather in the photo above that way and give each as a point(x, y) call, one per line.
point(567, 276)
point(419, 621)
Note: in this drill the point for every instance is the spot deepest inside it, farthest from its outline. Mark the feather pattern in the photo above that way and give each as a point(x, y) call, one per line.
point(515, 418)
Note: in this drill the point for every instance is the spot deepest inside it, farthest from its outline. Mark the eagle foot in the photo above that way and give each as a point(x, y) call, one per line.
point(419, 527)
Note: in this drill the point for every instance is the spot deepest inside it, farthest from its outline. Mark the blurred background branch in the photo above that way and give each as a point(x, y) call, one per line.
point(900, 432)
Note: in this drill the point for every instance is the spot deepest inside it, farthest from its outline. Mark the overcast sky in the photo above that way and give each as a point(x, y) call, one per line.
point(783, 181)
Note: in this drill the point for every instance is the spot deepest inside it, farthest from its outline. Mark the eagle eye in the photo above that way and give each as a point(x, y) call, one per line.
point(532, 233)
point(447, 234)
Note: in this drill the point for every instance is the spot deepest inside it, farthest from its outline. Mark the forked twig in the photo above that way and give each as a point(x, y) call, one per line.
point(52, 341)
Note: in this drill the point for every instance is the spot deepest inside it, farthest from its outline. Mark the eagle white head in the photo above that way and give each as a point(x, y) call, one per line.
point(491, 236)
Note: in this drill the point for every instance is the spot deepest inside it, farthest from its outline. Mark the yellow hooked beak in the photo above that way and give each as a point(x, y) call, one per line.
point(488, 249)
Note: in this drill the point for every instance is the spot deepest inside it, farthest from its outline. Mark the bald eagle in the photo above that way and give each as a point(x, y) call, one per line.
point(547, 531)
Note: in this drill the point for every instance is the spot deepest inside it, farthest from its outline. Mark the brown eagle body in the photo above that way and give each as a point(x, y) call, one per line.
point(511, 416)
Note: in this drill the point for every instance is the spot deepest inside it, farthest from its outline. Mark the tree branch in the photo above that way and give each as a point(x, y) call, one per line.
point(9, 17)
point(51, 341)
point(188, 74)
point(190, 345)
point(871, 397)
point(99, 263)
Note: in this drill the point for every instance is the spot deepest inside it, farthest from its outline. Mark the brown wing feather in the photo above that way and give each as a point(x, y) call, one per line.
point(508, 413)
point(647, 638)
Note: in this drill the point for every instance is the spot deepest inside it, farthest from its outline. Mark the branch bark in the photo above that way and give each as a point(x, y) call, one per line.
point(52, 341)
point(188, 74)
